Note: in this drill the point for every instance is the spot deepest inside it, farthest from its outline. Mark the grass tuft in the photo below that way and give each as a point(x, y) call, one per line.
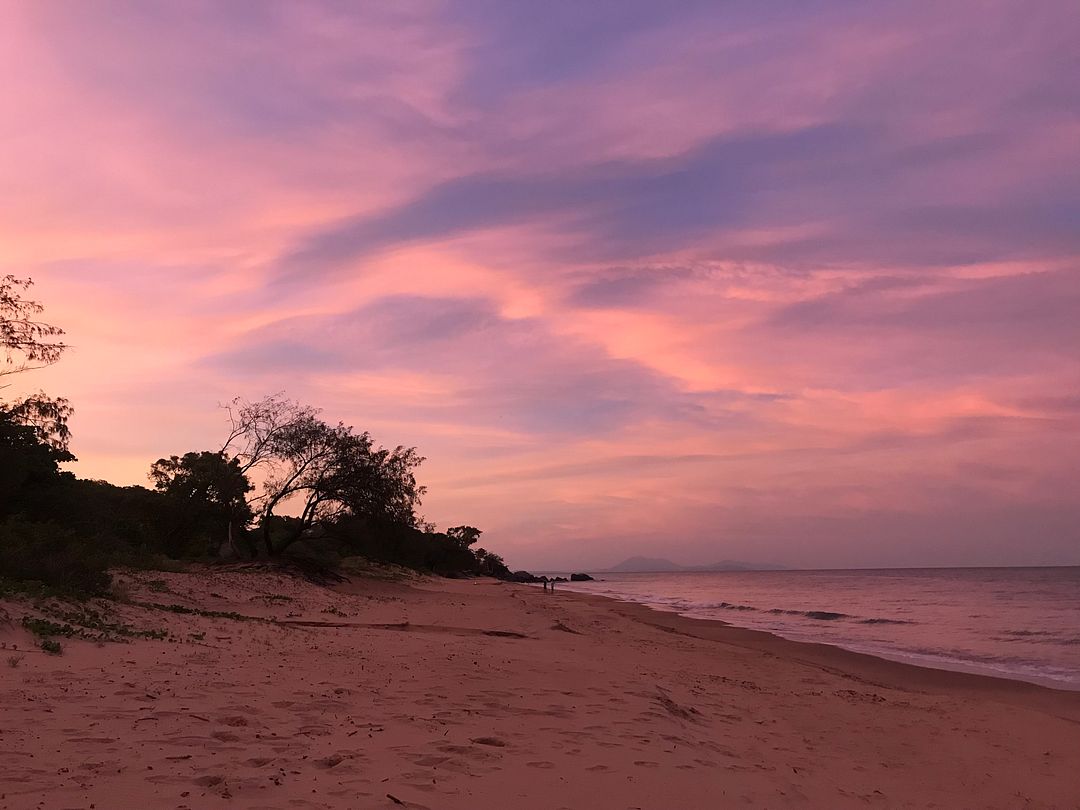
point(52, 646)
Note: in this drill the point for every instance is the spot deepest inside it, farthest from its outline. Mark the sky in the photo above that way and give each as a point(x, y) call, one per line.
point(788, 282)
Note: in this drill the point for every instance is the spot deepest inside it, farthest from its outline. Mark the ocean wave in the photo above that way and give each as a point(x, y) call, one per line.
point(1030, 633)
point(730, 606)
point(930, 621)
point(964, 661)
point(821, 615)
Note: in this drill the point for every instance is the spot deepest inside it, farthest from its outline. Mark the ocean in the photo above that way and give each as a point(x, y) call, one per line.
point(1019, 623)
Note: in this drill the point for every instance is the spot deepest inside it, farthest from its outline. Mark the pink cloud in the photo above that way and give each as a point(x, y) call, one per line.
point(787, 285)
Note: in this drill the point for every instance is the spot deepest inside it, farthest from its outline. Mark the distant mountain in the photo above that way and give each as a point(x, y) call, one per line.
point(649, 565)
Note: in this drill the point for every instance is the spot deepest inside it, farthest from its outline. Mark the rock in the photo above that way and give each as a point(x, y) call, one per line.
point(524, 576)
point(581, 578)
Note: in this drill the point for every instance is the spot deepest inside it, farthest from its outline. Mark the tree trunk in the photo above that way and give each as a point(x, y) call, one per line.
point(267, 541)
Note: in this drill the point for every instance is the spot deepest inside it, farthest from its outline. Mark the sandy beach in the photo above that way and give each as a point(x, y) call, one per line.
point(437, 694)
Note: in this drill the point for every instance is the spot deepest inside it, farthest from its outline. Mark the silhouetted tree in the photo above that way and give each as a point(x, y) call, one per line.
point(380, 484)
point(27, 464)
point(491, 564)
point(255, 428)
point(325, 471)
point(33, 429)
point(464, 536)
point(47, 417)
point(214, 490)
point(258, 432)
point(306, 460)
point(29, 343)
point(34, 437)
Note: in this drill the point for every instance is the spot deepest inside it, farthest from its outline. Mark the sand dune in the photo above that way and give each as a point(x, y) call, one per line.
point(450, 694)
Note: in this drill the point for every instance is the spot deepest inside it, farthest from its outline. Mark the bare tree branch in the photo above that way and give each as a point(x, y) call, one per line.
point(27, 343)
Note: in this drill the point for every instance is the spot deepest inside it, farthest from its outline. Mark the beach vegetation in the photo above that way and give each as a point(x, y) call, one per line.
point(209, 492)
point(120, 590)
point(83, 623)
point(463, 536)
point(326, 492)
point(190, 611)
point(47, 628)
point(322, 470)
point(52, 556)
point(52, 646)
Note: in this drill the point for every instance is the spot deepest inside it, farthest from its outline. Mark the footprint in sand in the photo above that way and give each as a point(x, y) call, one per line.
point(544, 765)
point(492, 741)
point(430, 762)
point(450, 748)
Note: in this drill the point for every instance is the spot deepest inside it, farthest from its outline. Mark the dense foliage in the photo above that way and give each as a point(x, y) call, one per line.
point(325, 491)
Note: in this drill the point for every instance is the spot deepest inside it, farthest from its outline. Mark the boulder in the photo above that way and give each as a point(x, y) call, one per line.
point(524, 576)
point(581, 578)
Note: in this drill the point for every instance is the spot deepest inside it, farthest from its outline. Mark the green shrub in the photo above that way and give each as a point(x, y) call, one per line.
point(46, 628)
point(52, 646)
point(85, 623)
point(53, 556)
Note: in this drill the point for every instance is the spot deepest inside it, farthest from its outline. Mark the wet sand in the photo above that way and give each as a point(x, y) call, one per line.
point(477, 694)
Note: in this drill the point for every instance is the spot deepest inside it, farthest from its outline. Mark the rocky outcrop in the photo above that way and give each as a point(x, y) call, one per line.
point(524, 576)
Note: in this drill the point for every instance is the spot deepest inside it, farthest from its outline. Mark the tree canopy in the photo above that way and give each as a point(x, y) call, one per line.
point(464, 536)
point(326, 470)
point(322, 483)
point(213, 489)
point(29, 343)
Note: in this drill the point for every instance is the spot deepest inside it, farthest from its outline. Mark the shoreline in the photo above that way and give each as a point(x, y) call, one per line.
point(259, 690)
point(865, 666)
point(935, 664)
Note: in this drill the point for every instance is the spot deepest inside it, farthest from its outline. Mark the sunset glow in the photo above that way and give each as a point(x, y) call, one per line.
point(726, 283)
